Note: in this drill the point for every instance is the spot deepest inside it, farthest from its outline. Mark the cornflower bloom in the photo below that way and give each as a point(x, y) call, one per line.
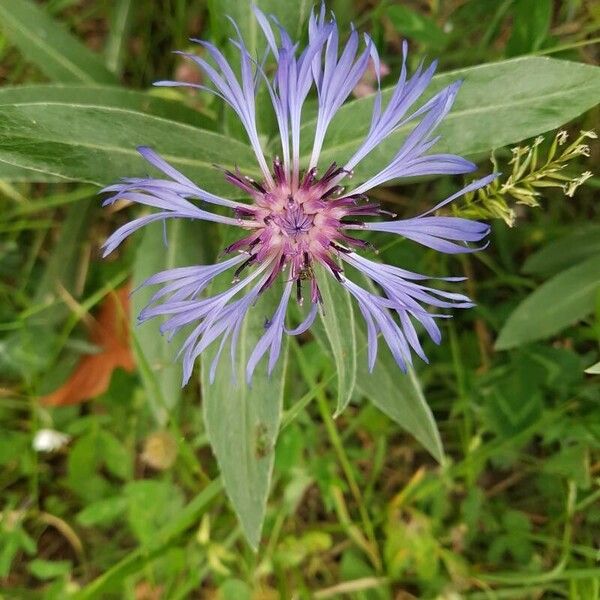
point(297, 217)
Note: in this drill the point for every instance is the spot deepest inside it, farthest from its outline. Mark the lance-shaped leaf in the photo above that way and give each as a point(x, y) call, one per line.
point(537, 94)
point(579, 244)
point(99, 145)
point(556, 304)
point(242, 421)
point(109, 96)
point(594, 369)
point(398, 395)
point(338, 334)
point(48, 44)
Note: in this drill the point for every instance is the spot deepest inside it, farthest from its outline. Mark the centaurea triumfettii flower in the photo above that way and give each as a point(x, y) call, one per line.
point(296, 217)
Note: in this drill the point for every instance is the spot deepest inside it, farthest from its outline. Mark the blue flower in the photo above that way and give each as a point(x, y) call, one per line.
point(294, 218)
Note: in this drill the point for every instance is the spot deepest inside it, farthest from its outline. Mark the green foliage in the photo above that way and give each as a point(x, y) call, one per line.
point(528, 177)
point(109, 96)
point(531, 26)
point(355, 507)
point(92, 150)
point(413, 24)
point(399, 396)
point(538, 94)
point(242, 421)
point(339, 329)
point(31, 349)
point(559, 302)
point(573, 248)
point(45, 42)
point(155, 353)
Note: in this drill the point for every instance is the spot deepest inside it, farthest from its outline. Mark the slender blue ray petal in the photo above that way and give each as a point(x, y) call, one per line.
point(271, 339)
point(307, 323)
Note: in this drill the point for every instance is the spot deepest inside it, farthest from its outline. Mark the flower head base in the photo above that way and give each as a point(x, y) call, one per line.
point(298, 217)
point(299, 226)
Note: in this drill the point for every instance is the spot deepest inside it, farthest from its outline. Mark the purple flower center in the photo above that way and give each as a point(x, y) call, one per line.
point(299, 225)
point(293, 221)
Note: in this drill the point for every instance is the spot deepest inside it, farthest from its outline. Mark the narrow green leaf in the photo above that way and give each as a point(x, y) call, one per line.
point(531, 25)
point(557, 303)
point(155, 355)
point(49, 569)
point(569, 250)
point(292, 15)
point(109, 96)
point(538, 94)
point(416, 26)
point(242, 422)
point(117, 34)
point(398, 395)
point(102, 512)
point(337, 317)
point(30, 349)
point(48, 44)
point(594, 369)
point(99, 145)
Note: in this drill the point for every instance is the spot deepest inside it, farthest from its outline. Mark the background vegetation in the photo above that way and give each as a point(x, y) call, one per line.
point(130, 503)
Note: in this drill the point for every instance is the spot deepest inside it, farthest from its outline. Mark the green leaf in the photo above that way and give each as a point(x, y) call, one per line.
point(49, 569)
point(156, 356)
point(400, 396)
point(292, 15)
point(151, 503)
point(116, 456)
point(242, 422)
point(415, 25)
point(164, 537)
point(531, 25)
point(114, 49)
point(556, 304)
point(397, 394)
point(47, 44)
point(337, 316)
point(102, 512)
point(538, 94)
point(575, 247)
point(572, 462)
point(109, 96)
point(83, 464)
point(235, 589)
point(594, 369)
point(16, 174)
point(30, 350)
point(99, 145)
